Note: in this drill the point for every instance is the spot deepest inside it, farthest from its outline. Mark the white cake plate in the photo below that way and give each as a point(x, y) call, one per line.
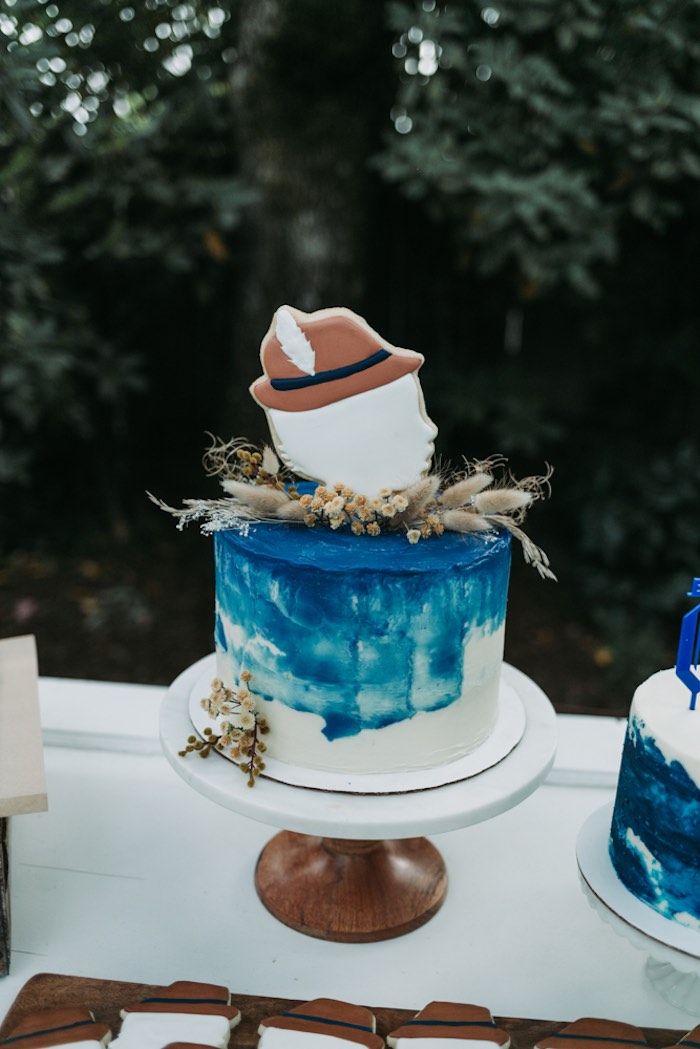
point(506, 735)
point(369, 878)
point(373, 817)
point(673, 965)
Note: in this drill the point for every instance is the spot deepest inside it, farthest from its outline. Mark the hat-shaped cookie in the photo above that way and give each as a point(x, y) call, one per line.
point(314, 359)
point(56, 1028)
point(343, 405)
point(194, 1013)
point(323, 1018)
point(590, 1033)
point(469, 1025)
point(691, 1040)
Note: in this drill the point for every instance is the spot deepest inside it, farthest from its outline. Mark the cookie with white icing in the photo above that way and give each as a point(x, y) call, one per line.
point(342, 403)
point(591, 1033)
point(197, 1014)
point(323, 1023)
point(58, 1028)
point(453, 1022)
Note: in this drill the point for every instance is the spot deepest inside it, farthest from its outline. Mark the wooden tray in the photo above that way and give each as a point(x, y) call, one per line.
point(106, 997)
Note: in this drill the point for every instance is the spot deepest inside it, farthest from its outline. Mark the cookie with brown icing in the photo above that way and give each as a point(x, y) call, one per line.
point(458, 1023)
point(691, 1040)
point(591, 1033)
point(185, 996)
point(322, 1022)
point(56, 1028)
point(186, 1013)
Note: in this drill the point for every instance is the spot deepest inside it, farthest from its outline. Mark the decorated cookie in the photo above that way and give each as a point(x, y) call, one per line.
point(459, 1024)
point(196, 1014)
point(343, 404)
point(320, 1024)
point(56, 1028)
point(691, 1040)
point(593, 1034)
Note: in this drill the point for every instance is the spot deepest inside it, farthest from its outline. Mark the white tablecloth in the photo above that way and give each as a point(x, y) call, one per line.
point(131, 875)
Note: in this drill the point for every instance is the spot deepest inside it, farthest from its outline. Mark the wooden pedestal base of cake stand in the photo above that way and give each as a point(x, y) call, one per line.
point(354, 870)
point(348, 890)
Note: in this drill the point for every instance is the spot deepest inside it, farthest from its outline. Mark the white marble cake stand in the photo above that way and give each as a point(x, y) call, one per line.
point(349, 867)
point(673, 963)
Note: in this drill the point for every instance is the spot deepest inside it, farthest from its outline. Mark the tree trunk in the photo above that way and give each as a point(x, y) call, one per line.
point(304, 92)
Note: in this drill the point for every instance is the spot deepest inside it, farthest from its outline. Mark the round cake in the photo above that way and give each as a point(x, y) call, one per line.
point(655, 835)
point(366, 655)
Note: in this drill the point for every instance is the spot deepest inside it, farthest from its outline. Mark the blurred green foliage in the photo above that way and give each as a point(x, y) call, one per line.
point(512, 189)
point(119, 192)
point(557, 147)
point(537, 129)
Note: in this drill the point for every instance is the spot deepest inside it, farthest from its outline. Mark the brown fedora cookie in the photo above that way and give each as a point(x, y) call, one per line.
point(343, 405)
point(455, 1022)
point(591, 1033)
point(195, 1013)
point(55, 1028)
point(314, 359)
point(322, 1022)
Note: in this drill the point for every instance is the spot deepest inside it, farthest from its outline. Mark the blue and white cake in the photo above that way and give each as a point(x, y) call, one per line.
point(368, 655)
point(655, 835)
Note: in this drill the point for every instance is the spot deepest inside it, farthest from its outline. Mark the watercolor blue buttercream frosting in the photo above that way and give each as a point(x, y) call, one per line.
point(368, 654)
point(655, 834)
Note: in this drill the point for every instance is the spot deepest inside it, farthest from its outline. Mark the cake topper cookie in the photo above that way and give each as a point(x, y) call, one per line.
point(346, 409)
point(314, 1023)
point(185, 1012)
point(58, 1029)
point(343, 404)
point(453, 1023)
point(589, 1033)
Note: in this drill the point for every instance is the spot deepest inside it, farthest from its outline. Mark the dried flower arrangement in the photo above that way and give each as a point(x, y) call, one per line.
point(240, 737)
point(482, 495)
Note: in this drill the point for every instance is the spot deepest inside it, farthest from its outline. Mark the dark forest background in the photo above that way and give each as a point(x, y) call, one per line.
point(513, 190)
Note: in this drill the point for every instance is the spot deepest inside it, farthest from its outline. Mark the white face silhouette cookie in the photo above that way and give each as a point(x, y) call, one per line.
point(343, 405)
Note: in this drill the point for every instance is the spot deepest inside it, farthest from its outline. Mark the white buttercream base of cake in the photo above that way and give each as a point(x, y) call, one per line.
point(604, 886)
point(504, 737)
point(425, 740)
point(662, 703)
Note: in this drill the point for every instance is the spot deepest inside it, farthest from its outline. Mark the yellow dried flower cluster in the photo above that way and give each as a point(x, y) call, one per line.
point(240, 736)
point(250, 466)
point(339, 507)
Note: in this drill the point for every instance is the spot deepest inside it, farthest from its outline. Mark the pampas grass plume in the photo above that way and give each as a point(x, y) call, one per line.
point(460, 493)
point(465, 521)
point(502, 501)
point(264, 501)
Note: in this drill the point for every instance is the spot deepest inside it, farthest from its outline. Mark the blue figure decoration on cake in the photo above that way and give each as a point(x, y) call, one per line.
point(689, 647)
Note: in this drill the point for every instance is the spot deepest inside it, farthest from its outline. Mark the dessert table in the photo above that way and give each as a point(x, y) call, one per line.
point(131, 875)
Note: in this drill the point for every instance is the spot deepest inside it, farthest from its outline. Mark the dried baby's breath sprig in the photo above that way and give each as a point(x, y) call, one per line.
point(238, 459)
point(239, 735)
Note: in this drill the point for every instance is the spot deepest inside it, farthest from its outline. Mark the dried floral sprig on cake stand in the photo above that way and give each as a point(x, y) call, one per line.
point(480, 496)
point(239, 738)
